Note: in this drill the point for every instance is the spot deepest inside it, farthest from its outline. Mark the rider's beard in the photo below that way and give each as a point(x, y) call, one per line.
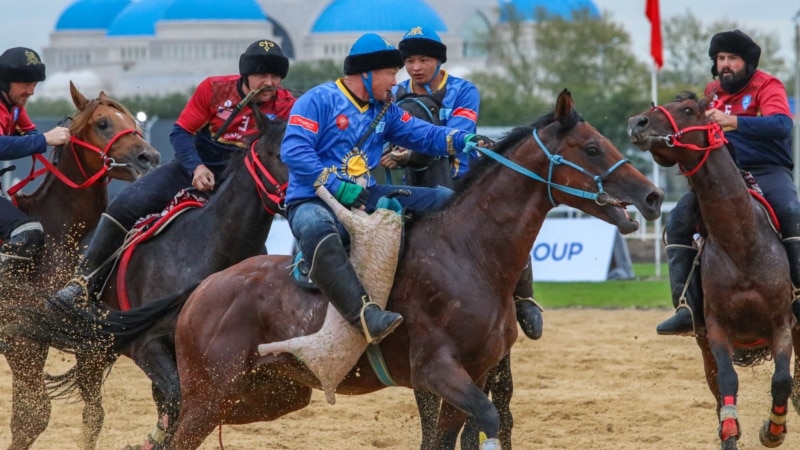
point(733, 82)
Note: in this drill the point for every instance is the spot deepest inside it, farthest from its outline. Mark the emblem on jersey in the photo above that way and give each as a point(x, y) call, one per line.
point(466, 113)
point(227, 104)
point(306, 123)
point(406, 117)
point(355, 164)
point(342, 122)
point(746, 101)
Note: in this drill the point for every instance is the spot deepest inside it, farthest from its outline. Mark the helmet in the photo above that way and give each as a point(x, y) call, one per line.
point(738, 43)
point(21, 65)
point(263, 56)
point(371, 52)
point(422, 42)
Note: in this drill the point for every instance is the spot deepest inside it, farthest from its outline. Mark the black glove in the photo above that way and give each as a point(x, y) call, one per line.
point(479, 141)
point(352, 195)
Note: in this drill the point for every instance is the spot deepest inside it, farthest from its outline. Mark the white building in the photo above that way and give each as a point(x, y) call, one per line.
point(130, 47)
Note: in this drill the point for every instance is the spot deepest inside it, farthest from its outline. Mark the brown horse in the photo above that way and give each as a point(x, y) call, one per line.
point(231, 226)
point(106, 142)
point(746, 286)
point(453, 288)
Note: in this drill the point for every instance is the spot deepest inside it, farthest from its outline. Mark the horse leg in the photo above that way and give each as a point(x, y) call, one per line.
point(30, 410)
point(727, 383)
point(500, 385)
point(773, 432)
point(428, 406)
point(90, 382)
point(157, 359)
point(796, 384)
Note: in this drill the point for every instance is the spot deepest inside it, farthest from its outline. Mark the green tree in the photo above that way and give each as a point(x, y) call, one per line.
point(305, 75)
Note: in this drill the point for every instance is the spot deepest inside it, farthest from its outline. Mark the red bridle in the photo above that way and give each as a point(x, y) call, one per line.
point(714, 135)
point(257, 170)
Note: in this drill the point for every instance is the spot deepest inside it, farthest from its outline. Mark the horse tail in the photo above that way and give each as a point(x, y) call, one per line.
point(96, 329)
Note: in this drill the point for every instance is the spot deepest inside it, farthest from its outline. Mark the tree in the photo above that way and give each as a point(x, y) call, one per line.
point(305, 75)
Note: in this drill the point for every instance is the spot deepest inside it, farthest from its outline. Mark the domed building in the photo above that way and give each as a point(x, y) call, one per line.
point(146, 47)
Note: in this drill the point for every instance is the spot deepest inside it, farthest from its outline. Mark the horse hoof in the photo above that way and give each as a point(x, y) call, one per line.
point(768, 439)
point(491, 444)
point(730, 444)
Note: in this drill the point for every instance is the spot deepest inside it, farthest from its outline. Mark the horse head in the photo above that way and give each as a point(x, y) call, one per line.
point(584, 170)
point(106, 137)
point(677, 133)
point(263, 161)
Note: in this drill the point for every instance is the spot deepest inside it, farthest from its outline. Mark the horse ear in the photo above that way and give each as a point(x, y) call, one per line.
point(564, 105)
point(262, 122)
point(103, 95)
point(77, 98)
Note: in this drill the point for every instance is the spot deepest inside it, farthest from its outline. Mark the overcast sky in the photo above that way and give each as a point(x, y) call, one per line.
point(29, 22)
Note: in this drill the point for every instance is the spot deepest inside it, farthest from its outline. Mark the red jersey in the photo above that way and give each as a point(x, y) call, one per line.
point(15, 121)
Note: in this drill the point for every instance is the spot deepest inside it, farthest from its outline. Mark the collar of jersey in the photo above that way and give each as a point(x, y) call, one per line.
point(353, 100)
point(441, 85)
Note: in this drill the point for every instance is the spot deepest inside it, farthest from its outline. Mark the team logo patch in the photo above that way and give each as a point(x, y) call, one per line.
point(746, 101)
point(406, 116)
point(466, 113)
point(342, 122)
point(306, 123)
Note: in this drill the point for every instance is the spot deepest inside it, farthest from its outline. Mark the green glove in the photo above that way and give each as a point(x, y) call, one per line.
point(351, 195)
point(471, 140)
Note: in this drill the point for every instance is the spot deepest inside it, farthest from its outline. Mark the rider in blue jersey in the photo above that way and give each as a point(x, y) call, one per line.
point(335, 136)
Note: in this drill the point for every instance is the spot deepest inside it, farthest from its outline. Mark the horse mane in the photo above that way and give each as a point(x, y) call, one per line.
point(271, 136)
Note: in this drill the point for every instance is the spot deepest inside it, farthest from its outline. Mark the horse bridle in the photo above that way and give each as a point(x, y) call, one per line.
point(714, 135)
point(600, 197)
point(271, 199)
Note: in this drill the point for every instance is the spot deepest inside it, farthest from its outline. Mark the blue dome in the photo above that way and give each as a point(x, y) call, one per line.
point(377, 15)
point(562, 8)
point(140, 18)
point(90, 14)
point(214, 10)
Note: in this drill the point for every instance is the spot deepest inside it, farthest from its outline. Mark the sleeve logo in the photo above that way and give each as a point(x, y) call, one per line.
point(306, 123)
point(466, 113)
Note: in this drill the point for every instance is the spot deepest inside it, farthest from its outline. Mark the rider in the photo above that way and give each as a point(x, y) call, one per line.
point(203, 146)
point(424, 53)
point(334, 137)
point(20, 70)
point(752, 108)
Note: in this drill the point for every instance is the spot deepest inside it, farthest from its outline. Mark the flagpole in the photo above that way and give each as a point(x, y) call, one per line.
point(656, 174)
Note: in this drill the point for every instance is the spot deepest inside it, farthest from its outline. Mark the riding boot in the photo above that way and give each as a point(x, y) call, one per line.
point(26, 241)
point(95, 265)
point(529, 313)
point(333, 274)
point(680, 261)
point(792, 246)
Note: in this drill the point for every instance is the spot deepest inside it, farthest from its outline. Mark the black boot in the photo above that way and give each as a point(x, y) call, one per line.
point(95, 265)
point(680, 261)
point(792, 246)
point(26, 241)
point(333, 274)
point(529, 313)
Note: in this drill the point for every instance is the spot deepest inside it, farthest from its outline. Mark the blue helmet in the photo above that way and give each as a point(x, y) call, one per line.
point(423, 42)
point(371, 52)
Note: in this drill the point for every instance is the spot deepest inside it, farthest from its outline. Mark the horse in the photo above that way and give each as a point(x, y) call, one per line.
point(106, 143)
point(231, 226)
point(746, 286)
point(432, 171)
point(454, 290)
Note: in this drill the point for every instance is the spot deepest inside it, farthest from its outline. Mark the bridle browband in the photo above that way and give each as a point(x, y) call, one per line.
point(714, 135)
point(600, 197)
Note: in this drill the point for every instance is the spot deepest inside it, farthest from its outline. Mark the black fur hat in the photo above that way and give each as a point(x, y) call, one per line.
point(738, 43)
point(21, 65)
point(371, 52)
point(423, 42)
point(263, 56)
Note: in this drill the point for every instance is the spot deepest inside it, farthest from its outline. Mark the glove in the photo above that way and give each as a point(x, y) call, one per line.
point(352, 195)
point(478, 141)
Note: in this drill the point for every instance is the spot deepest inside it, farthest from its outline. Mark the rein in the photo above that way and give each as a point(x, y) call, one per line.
point(714, 135)
point(600, 197)
point(108, 163)
point(272, 201)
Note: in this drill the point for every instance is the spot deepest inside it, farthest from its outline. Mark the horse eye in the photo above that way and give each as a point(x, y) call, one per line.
point(103, 124)
point(592, 150)
point(688, 111)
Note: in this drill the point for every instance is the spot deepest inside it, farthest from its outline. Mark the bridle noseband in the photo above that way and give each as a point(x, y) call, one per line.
point(714, 136)
point(272, 199)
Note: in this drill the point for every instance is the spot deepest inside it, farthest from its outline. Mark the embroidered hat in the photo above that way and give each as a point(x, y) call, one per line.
point(371, 52)
point(21, 65)
point(263, 56)
point(422, 42)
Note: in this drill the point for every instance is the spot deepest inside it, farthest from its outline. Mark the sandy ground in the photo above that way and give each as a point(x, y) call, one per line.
point(598, 379)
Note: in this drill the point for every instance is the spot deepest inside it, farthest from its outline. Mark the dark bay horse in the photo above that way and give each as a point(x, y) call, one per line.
point(106, 142)
point(453, 288)
point(232, 226)
point(746, 286)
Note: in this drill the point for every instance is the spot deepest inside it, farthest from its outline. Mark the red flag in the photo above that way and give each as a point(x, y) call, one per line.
point(651, 10)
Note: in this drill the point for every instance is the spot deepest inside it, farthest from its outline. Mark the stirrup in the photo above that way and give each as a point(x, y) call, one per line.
point(518, 299)
point(366, 301)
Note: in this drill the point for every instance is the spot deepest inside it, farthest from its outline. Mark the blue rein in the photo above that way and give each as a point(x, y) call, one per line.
point(600, 197)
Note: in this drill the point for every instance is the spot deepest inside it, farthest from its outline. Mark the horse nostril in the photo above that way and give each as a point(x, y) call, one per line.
point(149, 159)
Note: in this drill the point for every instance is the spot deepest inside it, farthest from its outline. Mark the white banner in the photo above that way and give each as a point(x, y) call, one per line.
point(573, 250)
